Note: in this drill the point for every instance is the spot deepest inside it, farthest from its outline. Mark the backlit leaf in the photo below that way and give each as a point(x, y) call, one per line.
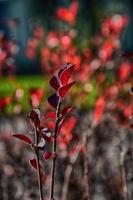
point(23, 138)
point(54, 82)
point(66, 74)
point(63, 90)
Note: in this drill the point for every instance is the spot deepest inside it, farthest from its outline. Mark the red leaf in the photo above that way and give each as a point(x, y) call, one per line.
point(34, 116)
point(63, 68)
point(68, 125)
point(99, 109)
point(124, 71)
point(51, 115)
point(66, 110)
point(50, 124)
point(54, 82)
point(66, 74)
point(23, 137)
point(53, 100)
point(74, 7)
point(47, 155)
point(63, 90)
point(33, 163)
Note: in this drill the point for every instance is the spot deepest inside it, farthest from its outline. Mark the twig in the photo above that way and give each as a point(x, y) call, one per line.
point(68, 173)
point(54, 151)
point(123, 175)
point(86, 172)
point(38, 165)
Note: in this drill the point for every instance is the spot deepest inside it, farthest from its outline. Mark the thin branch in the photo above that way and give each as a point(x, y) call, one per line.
point(38, 165)
point(123, 175)
point(54, 152)
point(68, 173)
point(86, 171)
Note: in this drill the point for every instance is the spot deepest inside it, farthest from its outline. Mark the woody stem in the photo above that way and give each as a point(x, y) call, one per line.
point(54, 151)
point(38, 165)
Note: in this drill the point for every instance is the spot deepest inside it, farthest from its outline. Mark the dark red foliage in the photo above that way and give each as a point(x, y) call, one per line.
point(23, 137)
point(62, 77)
point(53, 100)
point(66, 74)
point(47, 155)
point(54, 82)
point(33, 163)
point(34, 117)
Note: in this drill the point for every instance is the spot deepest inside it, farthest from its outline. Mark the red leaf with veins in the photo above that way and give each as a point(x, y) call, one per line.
point(23, 138)
point(63, 90)
point(33, 163)
point(50, 115)
point(54, 82)
point(63, 68)
point(66, 74)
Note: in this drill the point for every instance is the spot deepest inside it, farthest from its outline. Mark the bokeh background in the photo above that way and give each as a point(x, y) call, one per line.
point(36, 38)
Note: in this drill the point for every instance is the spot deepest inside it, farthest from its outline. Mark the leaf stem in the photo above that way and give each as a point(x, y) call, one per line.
point(54, 151)
point(38, 165)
